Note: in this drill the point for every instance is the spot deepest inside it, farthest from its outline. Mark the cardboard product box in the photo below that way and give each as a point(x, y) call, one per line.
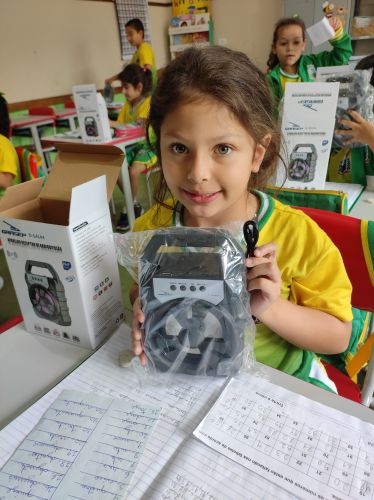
point(57, 245)
point(92, 114)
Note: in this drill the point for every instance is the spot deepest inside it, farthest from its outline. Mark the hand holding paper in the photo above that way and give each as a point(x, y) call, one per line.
point(322, 31)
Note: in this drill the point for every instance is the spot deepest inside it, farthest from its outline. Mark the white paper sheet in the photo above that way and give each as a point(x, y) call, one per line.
point(84, 445)
point(320, 32)
point(305, 447)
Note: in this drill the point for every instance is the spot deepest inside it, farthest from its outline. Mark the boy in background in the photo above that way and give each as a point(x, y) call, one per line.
point(143, 55)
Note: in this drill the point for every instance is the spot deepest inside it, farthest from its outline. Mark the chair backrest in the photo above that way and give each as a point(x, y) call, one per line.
point(69, 104)
point(42, 110)
point(355, 240)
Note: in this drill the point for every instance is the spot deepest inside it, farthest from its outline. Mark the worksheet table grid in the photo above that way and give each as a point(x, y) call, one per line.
point(340, 464)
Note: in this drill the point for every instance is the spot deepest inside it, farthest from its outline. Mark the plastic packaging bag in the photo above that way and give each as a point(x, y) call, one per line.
point(192, 284)
point(355, 93)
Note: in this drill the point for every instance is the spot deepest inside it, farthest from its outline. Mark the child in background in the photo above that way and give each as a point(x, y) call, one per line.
point(137, 83)
point(143, 55)
point(9, 169)
point(355, 164)
point(218, 144)
point(287, 63)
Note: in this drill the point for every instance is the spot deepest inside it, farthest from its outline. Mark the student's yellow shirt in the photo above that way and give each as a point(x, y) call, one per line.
point(130, 113)
point(144, 56)
point(8, 160)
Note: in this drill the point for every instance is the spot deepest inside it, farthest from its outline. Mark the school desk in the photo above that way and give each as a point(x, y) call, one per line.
point(32, 124)
point(100, 373)
point(122, 143)
point(66, 117)
point(364, 206)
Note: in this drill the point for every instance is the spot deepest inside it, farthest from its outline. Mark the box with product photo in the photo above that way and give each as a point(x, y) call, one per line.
point(57, 243)
point(92, 114)
point(308, 121)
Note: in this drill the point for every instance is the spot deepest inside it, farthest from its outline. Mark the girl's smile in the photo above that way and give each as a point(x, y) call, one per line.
point(207, 160)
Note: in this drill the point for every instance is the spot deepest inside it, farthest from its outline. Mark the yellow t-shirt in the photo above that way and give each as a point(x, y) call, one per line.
point(287, 78)
point(131, 114)
point(144, 56)
point(312, 269)
point(8, 160)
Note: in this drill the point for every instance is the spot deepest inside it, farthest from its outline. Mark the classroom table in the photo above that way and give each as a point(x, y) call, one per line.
point(364, 206)
point(122, 143)
point(100, 373)
point(66, 116)
point(30, 365)
point(32, 123)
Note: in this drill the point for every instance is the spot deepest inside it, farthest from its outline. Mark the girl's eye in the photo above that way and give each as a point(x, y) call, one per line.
point(223, 149)
point(178, 148)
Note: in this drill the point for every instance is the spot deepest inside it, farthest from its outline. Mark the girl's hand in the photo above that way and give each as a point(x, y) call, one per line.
point(335, 23)
point(136, 333)
point(263, 278)
point(361, 130)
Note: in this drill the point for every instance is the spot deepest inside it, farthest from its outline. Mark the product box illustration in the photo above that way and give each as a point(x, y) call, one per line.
point(92, 114)
point(57, 243)
point(308, 119)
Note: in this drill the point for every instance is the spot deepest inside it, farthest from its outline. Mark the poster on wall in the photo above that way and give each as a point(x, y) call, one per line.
point(308, 120)
point(131, 9)
point(183, 7)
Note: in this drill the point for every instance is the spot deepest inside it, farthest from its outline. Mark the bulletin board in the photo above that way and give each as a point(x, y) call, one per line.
point(130, 9)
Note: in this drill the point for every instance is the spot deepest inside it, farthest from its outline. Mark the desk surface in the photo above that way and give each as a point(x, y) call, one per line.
point(185, 402)
point(30, 365)
point(63, 113)
point(24, 121)
point(35, 364)
point(364, 207)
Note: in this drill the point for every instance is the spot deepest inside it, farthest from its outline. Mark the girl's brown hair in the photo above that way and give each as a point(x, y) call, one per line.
point(231, 79)
point(282, 23)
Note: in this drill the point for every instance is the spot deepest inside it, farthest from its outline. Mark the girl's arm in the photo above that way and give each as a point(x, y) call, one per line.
point(302, 326)
point(361, 130)
point(307, 328)
point(6, 179)
point(341, 48)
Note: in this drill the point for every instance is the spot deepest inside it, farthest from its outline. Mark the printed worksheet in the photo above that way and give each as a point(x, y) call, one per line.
point(84, 446)
point(310, 449)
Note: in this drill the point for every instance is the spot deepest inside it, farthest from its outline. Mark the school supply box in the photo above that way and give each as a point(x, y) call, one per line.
point(57, 245)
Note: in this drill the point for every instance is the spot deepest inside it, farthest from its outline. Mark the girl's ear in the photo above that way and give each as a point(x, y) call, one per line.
point(139, 87)
point(259, 153)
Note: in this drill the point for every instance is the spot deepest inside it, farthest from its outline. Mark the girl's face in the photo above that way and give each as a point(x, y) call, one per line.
point(135, 38)
point(207, 160)
point(289, 45)
point(132, 93)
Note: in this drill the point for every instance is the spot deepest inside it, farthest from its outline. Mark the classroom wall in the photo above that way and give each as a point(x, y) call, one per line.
point(247, 25)
point(46, 46)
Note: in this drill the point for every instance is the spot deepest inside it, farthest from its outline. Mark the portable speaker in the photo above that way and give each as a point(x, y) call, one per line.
point(194, 298)
point(303, 162)
point(47, 294)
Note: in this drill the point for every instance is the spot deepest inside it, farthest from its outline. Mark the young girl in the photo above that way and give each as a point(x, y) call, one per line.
point(9, 169)
point(287, 63)
point(137, 83)
point(218, 144)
